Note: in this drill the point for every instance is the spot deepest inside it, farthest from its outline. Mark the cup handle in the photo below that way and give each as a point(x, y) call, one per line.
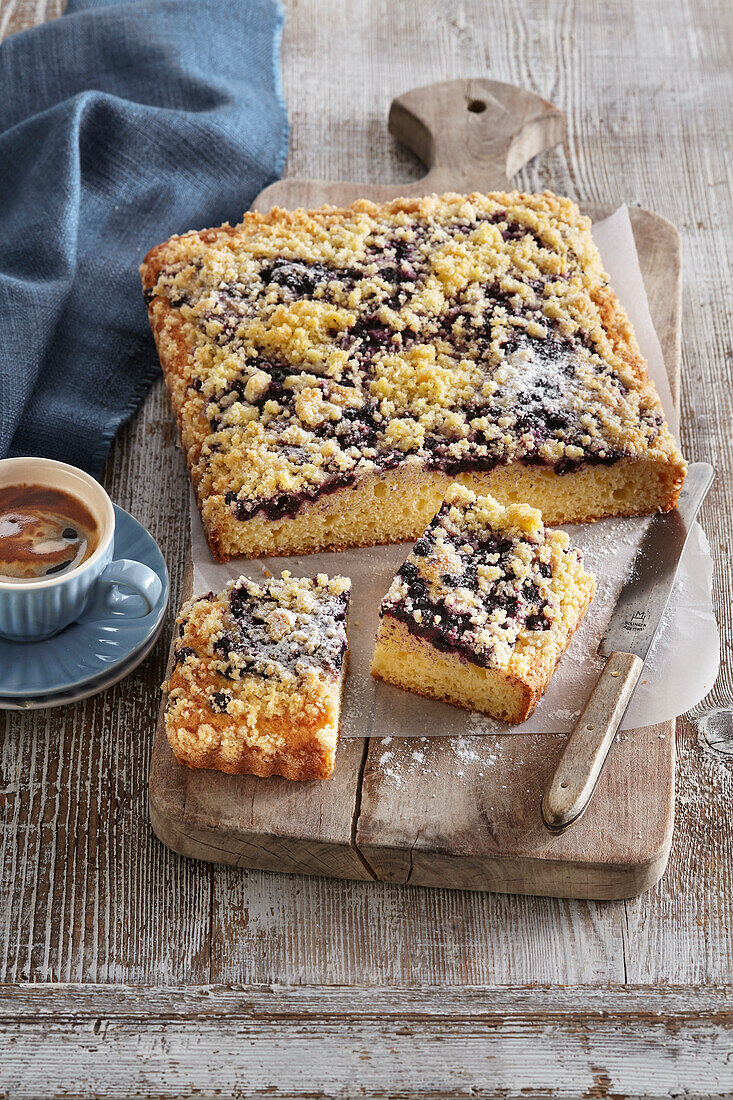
point(107, 599)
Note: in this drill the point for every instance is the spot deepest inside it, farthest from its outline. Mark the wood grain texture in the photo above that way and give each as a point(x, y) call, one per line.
point(86, 892)
point(380, 1042)
point(276, 825)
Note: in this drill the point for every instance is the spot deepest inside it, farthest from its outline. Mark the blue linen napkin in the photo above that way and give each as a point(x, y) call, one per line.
point(120, 124)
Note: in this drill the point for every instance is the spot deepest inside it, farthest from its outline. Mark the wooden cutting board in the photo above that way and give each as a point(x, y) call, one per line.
point(460, 813)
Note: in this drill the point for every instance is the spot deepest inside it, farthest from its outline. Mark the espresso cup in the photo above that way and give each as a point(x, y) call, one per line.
point(98, 588)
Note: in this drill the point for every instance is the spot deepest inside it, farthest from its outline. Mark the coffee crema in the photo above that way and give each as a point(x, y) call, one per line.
point(43, 532)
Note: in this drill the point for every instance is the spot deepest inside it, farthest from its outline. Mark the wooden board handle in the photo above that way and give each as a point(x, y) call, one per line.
point(571, 787)
point(473, 134)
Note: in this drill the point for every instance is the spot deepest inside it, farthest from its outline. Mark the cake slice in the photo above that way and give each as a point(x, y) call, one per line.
point(258, 676)
point(334, 371)
point(483, 608)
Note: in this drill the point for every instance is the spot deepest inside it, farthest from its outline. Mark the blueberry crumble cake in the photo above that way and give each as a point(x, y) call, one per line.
point(483, 608)
point(257, 677)
point(334, 371)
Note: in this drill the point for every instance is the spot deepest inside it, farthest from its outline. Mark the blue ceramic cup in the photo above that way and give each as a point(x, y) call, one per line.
point(98, 588)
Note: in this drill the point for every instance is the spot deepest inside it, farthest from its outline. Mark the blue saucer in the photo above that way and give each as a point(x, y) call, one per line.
point(85, 651)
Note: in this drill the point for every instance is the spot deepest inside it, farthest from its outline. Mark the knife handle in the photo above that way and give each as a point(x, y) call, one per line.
point(571, 787)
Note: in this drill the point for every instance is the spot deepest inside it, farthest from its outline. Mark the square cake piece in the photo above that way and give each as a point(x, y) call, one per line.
point(334, 371)
point(483, 608)
point(258, 676)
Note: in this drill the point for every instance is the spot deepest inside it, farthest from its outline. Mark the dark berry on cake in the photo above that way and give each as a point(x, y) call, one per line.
point(257, 677)
point(483, 607)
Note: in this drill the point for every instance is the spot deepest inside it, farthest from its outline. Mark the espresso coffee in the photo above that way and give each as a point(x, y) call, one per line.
point(43, 533)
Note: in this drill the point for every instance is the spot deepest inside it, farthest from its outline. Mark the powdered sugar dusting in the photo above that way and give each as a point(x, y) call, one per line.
point(429, 759)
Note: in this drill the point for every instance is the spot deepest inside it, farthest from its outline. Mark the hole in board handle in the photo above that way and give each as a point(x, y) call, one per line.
point(477, 106)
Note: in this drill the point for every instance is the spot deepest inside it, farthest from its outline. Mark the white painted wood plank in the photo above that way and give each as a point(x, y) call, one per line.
point(92, 1041)
point(315, 930)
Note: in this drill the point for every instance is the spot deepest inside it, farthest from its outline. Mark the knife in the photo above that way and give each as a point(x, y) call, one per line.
point(626, 643)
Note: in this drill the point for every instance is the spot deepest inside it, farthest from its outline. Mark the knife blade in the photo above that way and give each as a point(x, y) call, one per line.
point(645, 595)
point(629, 636)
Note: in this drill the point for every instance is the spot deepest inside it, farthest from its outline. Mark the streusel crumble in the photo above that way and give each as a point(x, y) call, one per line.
point(258, 675)
point(483, 608)
point(333, 371)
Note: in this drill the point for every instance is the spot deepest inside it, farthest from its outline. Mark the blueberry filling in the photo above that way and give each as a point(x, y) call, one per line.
point(220, 701)
point(303, 277)
point(249, 644)
point(447, 628)
point(286, 504)
point(371, 334)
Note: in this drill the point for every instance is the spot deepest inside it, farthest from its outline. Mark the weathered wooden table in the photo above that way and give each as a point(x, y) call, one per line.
point(131, 971)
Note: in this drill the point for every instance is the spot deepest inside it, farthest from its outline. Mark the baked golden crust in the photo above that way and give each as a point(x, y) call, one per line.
point(460, 683)
point(312, 353)
point(483, 608)
point(258, 676)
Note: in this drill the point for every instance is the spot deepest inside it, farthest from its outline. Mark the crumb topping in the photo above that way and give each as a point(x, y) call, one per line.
point(485, 580)
point(266, 641)
point(458, 333)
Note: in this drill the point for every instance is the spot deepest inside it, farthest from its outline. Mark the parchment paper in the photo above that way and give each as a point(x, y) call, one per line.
point(681, 668)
